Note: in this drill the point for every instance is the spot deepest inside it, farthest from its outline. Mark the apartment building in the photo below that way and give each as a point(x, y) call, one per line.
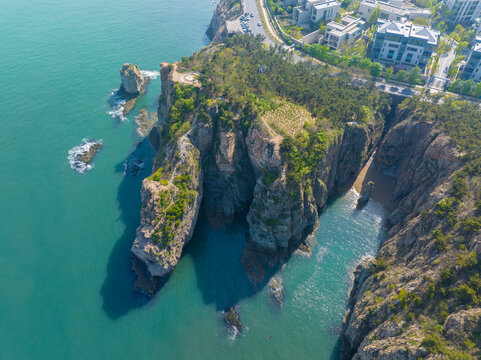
point(392, 10)
point(343, 34)
point(463, 11)
point(472, 70)
point(313, 11)
point(403, 43)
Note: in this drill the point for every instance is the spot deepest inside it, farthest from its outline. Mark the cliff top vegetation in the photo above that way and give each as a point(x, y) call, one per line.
point(252, 77)
point(460, 119)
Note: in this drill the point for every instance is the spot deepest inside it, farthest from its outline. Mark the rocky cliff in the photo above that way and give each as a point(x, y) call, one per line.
point(232, 160)
point(416, 299)
point(225, 10)
point(132, 81)
point(284, 212)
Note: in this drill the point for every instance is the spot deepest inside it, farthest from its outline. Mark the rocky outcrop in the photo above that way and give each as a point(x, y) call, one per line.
point(144, 122)
point(133, 83)
point(233, 168)
point(423, 160)
point(280, 216)
point(365, 194)
point(169, 213)
point(229, 179)
point(166, 77)
point(87, 155)
point(81, 156)
point(232, 320)
point(276, 289)
point(420, 156)
point(225, 10)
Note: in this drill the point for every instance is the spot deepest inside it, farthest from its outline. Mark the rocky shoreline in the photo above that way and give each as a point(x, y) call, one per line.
point(230, 162)
point(233, 180)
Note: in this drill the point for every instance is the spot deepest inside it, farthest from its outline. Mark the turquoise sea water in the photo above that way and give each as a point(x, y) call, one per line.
point(65, 285)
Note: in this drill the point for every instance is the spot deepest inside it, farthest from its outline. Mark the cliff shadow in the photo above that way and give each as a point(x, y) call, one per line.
point(119, 296)
point(217, 252)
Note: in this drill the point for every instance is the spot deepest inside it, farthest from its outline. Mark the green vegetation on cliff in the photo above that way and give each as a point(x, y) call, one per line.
point(438, 303)
point(460, 119)
point(251, 77)
point(303, 102)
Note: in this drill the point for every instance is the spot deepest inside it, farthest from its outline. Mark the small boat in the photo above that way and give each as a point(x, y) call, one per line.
point(212, 3)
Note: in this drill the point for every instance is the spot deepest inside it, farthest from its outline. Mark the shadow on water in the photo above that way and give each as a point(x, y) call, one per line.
point(216, 254)
point(117, 290)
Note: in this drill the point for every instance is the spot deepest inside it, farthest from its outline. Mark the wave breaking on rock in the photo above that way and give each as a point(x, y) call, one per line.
point(80, 157)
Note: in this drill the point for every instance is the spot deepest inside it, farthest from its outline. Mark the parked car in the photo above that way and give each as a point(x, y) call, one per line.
point(252, 15)
point(259, 24)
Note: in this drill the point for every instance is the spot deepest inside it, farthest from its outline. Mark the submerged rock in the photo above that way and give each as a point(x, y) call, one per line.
point(366, 193)
point(276, 289)
point(144, 122)
point(232, 319)
point(132, 167)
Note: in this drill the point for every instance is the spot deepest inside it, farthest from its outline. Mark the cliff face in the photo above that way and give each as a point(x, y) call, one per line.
point(214, 158)
point(399, 304)
point(133, 83)
point(225, 10)
point(229, 179)
point(169, 212)
point(281, 214)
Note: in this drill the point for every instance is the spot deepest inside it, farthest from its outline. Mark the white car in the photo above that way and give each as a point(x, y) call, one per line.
point(259, 24)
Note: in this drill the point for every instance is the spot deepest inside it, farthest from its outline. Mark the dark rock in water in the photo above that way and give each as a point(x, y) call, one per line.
point(133, 84)
point(232, 319)
point(276, 289)
point(305, 249)
point(89, 153)
point(366, 193)
point(132, 167)
point(80, 157)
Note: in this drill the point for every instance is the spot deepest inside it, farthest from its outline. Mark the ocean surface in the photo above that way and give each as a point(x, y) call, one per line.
point(65, 286)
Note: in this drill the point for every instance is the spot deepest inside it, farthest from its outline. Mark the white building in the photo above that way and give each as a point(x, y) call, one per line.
point(341, 35)
point(403, 43)
point(313, 11)
point(472, 70)
point(463, 11)
point(390, 10)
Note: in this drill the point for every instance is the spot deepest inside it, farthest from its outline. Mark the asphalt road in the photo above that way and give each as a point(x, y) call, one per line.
point(250, 7)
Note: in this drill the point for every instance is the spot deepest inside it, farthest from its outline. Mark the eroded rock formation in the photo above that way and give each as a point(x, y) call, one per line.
point(232, 169)
point(132, 81)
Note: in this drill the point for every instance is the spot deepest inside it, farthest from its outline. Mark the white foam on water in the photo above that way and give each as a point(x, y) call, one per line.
point(116, 103)
point(74, 153)
point(117, 112)
point(150, 74)
point(132, 167)
point(233, 333)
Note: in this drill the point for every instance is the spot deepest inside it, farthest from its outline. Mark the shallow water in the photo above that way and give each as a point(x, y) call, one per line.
point(65, 237)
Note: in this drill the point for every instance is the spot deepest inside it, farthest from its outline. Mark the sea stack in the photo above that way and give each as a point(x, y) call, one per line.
point(133, 83)
point(365, 193)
